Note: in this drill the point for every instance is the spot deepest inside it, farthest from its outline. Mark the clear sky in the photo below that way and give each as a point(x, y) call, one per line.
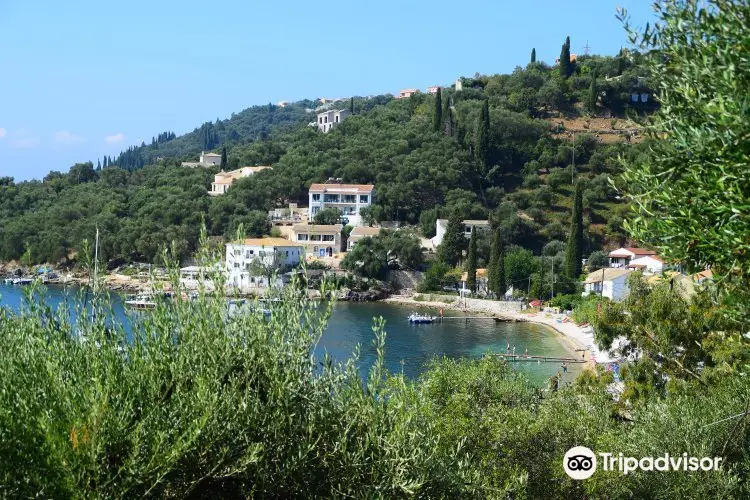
point(86, 78)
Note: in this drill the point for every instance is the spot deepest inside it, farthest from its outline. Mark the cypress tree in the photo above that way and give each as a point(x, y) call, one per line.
point(574, 250)
point(223, 157)
point(351, 105)
point(98, 164)
point(482, 145)
point(496, 270)
point(471, 262)
point(449, 251)
point(533, 55)
point(565, 68)
point(437, 116)
point(591, 99)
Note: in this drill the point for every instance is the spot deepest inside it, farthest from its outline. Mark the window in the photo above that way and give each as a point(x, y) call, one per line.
point(236, 265)
point(301, 237)
point(261, 253)
point(315, 210)
point(328, 237)
point(249, 254)
point(363, 198)
point(314, 237)
point(331, 198)
point(326, 119)
point(316, 197)
point(337, 119)
point(350, 198)
point(287, 253)
point(237, 252)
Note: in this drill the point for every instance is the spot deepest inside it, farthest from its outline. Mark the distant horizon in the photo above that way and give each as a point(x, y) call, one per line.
point(88, 88)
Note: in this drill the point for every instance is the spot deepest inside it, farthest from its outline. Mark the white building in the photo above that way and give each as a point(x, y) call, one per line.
point(329, 119)
point(223, 180)
point(608, 282)
point(433, 90)
point(358, 233)
point(622, 256)
point(406, 93)
point(318, 240)
point(205, 160)
point(247, 261)
point(441, 225)
point(649, 264)
point(349, 198)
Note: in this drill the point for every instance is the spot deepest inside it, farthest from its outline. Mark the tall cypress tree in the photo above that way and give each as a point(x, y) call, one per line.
point(223, 157)
point(565, 67)
point(471, 262)
point(98, 164)
point(482, 143)
point(351, 105)
point(453, 242)
point(496, 266)
point(533, 55)
point(437, 116)
point(574, 250)
point(591, 99)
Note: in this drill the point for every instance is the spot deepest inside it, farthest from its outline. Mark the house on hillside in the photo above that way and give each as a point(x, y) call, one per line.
point(406, 93)
point(205, 160)
point(441, 225)
point(648, 264)
point(608, 282)
point(622, 256)
point(318, 240)
point(288, 216)
point(358, 233)
point(350, 199)
point(433, 90)
point(223, 180)
point(329, 119)
point(249, 262)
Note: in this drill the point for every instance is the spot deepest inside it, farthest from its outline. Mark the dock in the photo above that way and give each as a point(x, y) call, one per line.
point(467, 318)
point(546, 359)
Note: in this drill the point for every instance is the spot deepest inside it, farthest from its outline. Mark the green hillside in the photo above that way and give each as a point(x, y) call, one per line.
point(426, 161)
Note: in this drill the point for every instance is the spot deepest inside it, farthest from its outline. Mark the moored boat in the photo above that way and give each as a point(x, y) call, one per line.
point(22, 281)
point(421, 318)
point(141, 302)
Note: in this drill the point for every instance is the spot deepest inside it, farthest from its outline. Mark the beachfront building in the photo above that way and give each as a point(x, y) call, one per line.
point(607, 282)
point(622, 256)
point(441, 225)
point(223, 180)
point(205, 160)
point(318, 240)
point(358, 233)
point(249, 262)
point(329, 119)
point(195, 277)
point(350, 199)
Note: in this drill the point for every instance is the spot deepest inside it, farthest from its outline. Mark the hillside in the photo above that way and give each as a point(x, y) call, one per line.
point(422, 169)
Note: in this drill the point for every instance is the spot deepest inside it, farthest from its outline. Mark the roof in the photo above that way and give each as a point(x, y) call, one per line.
point(365, 231)
point(357, 188)
point(318, 228)
point(653, 257)
point(471, 222)
point(405, 91)
point(211, 154)
point(268, 242)
point(257, 168)
point(707, 274)
point(626, 252)
point(609, 274)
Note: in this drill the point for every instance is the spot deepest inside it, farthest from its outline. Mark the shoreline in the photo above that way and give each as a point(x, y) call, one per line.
point(569, 332)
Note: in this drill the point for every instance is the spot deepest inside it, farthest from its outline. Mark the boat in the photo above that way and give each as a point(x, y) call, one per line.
point(141, 302)
point(22, 281)
point(8, 281)
point(421, 318)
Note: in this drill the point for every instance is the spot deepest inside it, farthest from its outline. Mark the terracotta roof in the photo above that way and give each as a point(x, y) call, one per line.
point(268, 242)
point(704, 274)
point(365, 231)
point(357, 188)
point(609, 274)
point(319, 228)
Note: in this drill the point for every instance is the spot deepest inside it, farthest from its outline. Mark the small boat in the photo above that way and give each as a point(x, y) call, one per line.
point(22, 281)
point(421, 318)
point(8, 281)
point(141, 303)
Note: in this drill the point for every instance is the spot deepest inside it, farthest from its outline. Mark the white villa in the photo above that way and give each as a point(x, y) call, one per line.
point(243, 257)
point(608, 282)
point(622, 256)
point(349, 198)
point(649, 264)
point(318, 240)
point(358, 233)
point(406, 93)
point(223, 180)
point(441, 225)
point(329, 119)
point(205, 160)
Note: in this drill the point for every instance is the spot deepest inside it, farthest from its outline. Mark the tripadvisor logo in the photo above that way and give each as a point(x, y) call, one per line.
point(580, 463)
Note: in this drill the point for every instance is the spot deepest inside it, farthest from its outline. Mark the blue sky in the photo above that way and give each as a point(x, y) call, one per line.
point(86, 78)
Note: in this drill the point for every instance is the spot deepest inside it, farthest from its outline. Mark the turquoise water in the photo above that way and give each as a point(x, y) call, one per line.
point(408, 347)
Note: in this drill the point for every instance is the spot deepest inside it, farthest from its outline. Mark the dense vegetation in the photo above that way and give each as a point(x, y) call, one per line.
point(491, 156)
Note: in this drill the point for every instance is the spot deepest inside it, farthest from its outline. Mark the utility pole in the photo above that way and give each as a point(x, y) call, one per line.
point(553, 278)
point(528, 288)
point(601, 288)
point(586, 48)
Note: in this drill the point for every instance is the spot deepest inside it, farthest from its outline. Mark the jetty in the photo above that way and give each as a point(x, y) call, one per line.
point(546, 359)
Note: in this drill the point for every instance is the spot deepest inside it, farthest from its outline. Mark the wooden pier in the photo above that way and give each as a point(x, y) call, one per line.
point(467, 318)
point(546, 359)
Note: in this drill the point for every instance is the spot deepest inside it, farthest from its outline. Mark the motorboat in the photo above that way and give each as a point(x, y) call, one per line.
point(141, 302)
point(8, 281)
point(421, 318)
point(22, 281)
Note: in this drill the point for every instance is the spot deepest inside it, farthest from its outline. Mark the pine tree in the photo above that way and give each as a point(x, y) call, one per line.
point(574, 250)
point(565, 67)
point(449, 251)
point(351, 105)
point(591, 99)
point(223, 157)
point(493, 277)
point(450, 124)
point(437, 115)
point(471, 262)
point(533, 55)
point(98, 164)
point(482, 144)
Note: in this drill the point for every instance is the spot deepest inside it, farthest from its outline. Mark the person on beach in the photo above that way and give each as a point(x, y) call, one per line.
point(559, 376)
point(507, 349)
point(526, 352)
point(514, 350)
point(565, 367)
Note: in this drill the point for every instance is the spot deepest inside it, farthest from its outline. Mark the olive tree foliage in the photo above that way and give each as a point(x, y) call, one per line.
point(195, 403)
point(691, 193)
